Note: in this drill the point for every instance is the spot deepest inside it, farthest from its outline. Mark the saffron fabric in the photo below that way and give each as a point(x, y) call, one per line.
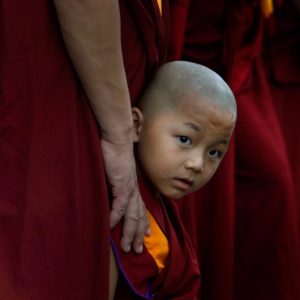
point(159, 3)
point(157, 243)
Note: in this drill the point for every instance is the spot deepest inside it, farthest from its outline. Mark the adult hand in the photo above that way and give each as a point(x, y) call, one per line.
point(121, 172)
point(97, 56)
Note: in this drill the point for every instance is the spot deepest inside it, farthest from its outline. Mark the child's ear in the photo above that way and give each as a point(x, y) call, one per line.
point(138, 120)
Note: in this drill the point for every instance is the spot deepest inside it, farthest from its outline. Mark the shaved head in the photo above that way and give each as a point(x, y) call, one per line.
point(177, 79)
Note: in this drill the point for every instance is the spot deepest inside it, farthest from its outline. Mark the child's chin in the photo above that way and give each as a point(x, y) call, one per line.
point(174, 196)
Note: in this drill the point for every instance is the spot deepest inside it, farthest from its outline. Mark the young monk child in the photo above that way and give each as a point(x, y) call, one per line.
point(182, 128)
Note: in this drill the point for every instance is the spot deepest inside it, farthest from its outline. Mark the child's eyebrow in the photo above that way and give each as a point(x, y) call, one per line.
point(225, 142)
point(193, 126)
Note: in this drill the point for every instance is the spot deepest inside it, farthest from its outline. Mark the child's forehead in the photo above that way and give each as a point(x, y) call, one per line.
point(199, 102)
point(195, 101)
point(199, 108)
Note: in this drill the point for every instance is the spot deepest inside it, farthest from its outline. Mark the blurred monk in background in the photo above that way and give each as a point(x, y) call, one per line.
point(247, 228)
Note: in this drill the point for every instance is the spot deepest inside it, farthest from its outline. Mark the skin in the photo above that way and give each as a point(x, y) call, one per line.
point(180, 150)
point(182, 128)
point(97, 57)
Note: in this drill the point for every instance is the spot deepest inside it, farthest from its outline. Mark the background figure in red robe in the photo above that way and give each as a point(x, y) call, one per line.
point(282, 63)
point(54, 241)
point(246, 233)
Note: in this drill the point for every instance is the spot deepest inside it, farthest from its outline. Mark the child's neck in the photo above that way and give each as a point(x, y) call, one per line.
point(157, 194)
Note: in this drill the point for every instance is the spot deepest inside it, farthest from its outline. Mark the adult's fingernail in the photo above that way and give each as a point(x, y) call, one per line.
point(140, 249)
point(127, 248)
point(148, 232)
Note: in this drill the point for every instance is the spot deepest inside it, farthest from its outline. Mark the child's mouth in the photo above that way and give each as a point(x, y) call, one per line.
point(183, 183)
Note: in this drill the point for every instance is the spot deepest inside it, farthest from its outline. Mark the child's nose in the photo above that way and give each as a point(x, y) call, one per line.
point(196, 163)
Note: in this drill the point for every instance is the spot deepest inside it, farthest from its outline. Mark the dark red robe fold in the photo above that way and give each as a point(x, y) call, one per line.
point(282, 62)
point(145, 40)
point(178, 11)
point(139, 275)
point(54, 241)
point(248, 237)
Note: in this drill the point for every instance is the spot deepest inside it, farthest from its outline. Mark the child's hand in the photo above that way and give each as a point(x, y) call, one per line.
point(121, 171)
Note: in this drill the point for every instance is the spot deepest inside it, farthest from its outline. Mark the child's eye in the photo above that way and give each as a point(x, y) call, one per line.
point(215, 153)
point(184, 140)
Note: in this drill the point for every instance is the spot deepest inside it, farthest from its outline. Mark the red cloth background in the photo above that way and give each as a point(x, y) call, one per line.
point(54, 241)
point(246, 225)
point(282, 64)
point(52, 181)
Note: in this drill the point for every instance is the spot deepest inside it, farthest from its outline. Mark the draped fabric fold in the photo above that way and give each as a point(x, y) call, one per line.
point(54, 208)
point(52, 181)
point(179, 279)
point(255, 196)
point(145, 40)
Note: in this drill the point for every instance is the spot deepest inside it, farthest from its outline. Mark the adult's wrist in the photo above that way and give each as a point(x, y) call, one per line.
point(118, 136)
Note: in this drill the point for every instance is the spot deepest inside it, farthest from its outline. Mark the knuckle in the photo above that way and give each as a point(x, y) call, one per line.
point(121, 211)
point(132, 217)
point(142, 214)
point(147, 222)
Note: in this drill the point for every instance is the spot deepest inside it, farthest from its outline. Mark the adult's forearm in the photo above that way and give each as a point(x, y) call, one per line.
point(91, 31)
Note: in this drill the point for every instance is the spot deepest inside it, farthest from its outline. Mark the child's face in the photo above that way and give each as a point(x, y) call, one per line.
point(180, 150)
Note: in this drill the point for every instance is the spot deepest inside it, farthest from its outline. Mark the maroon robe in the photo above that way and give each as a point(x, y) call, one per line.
point(179, 12)
point(139, 275)
point(281, 58)
point(246, 230)
point(54, 241)
point(145, 40)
